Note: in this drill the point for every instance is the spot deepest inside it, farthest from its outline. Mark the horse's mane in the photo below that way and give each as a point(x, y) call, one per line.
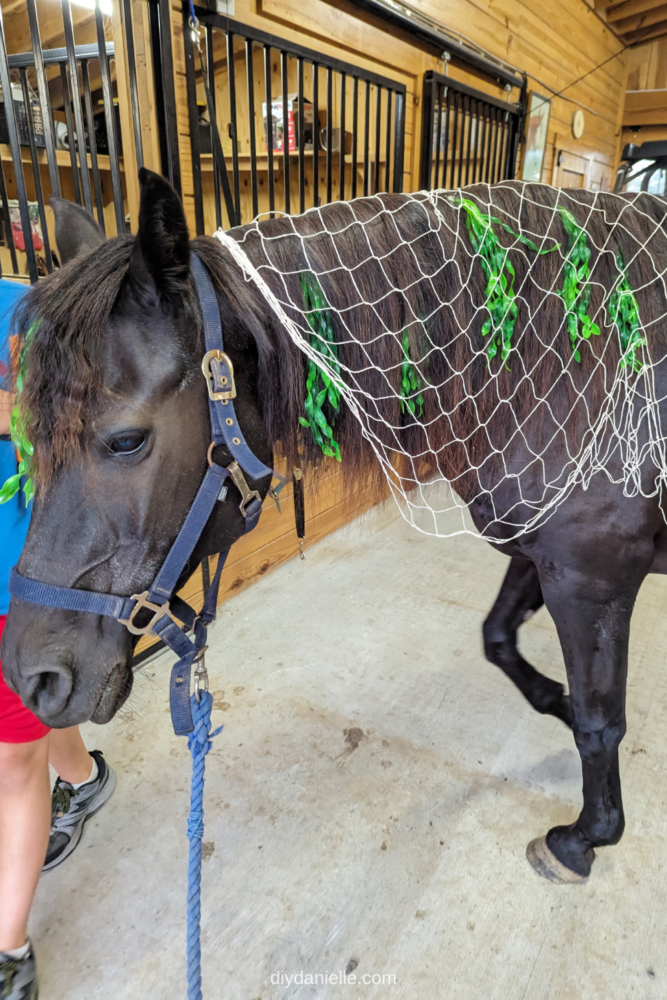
point(478, 406)
point(67, 314)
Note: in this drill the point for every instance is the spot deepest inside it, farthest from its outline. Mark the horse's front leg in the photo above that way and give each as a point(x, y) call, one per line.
point(592, 616)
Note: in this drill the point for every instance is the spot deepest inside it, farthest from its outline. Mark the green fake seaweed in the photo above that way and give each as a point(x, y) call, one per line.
point(22, 477)
point(500, 275)
point(320, 387)
point(412, 400)
point(576, 291)
point(624, 314)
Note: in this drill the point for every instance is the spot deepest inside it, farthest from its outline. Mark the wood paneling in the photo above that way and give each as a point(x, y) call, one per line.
point(645, 113)
point(635, 21)
point(645, 107)
point(556, 51)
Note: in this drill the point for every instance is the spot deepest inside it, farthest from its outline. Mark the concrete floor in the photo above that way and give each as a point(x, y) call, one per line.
point(369, 802)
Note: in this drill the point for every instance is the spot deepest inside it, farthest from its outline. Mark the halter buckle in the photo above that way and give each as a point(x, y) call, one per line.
point(142, 602)
point(247, 495)
point(224, 378)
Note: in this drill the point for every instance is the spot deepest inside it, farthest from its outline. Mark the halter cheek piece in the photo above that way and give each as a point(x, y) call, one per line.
point(159, 601)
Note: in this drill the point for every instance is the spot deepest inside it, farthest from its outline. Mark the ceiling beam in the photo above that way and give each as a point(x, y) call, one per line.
point(629, 8)
point(646, 34)
point(642, 20)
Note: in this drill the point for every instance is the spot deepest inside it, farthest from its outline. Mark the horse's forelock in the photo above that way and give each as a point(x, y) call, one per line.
point(65, 316)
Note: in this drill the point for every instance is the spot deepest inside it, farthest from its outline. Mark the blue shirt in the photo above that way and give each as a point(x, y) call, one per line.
point(14, 517)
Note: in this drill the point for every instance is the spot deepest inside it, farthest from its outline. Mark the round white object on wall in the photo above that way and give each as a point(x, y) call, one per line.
point(578, 123)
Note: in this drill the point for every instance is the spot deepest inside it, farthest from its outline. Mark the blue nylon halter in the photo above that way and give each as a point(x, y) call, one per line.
point(219, 373)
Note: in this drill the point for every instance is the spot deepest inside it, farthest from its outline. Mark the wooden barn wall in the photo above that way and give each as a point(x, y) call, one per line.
point(557, 50)
point(645, 114)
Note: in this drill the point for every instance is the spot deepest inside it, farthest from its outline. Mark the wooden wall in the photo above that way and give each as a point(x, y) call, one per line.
point(557, 50)
point(645, 115)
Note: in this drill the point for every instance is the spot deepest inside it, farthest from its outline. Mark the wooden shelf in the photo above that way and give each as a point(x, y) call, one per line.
point(263, 160)
point(62, 158)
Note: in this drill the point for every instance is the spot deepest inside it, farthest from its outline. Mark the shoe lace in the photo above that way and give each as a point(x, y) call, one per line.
point(8, 970)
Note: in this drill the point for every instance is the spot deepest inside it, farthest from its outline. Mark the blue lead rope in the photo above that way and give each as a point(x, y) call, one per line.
point(199, 744)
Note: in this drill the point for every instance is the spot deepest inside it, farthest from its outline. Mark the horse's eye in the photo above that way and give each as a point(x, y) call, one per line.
point(126, 444)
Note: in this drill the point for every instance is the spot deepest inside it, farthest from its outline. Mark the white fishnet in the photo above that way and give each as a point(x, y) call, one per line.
point(623, 437)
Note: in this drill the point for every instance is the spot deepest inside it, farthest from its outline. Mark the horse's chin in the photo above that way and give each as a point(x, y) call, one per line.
point(116, 692)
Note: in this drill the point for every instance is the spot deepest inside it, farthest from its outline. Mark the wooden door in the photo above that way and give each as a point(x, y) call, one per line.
point(570, 170)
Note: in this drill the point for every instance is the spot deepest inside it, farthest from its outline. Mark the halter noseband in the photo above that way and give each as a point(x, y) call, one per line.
point(160, 599)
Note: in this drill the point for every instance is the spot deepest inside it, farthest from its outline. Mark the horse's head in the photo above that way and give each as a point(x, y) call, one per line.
point(116, 407)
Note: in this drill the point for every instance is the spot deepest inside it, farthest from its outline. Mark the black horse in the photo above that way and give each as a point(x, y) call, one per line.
point(116, 407)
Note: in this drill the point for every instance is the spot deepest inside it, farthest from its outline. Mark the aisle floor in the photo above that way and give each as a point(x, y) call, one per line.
point(368, 803)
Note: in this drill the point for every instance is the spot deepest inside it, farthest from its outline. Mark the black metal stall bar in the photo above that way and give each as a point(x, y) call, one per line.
point(468, 136)
point(299, 138)
point(30, 123)
point(15, 146)
point(76, 151)
point(134, 90)
point(165, 93)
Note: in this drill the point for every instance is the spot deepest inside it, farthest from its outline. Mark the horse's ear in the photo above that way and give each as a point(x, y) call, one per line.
point(162, 245)
point(76, 231)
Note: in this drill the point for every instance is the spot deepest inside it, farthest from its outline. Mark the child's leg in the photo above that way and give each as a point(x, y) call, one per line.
point(68, 755)
point(25, 821)
point(85, 782)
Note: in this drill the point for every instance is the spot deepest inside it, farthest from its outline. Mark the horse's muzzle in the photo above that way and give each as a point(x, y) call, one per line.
point(66, 667)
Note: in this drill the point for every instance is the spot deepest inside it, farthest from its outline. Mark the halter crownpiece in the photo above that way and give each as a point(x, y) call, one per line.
point(165, 609)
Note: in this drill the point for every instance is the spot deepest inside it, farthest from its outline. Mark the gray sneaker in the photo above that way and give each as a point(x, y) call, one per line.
point(18, 977)
point(72, 807)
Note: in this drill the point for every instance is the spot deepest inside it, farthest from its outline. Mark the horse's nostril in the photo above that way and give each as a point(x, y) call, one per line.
point(49, 691)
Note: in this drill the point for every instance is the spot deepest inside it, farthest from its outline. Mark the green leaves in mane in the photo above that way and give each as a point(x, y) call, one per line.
point(500, 274)
point(17, 433)
point(319, 386)
point(576, 292)
point(624, 314)
point(411, 384)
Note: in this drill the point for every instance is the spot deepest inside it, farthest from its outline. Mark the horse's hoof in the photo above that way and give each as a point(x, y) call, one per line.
point(545, 863)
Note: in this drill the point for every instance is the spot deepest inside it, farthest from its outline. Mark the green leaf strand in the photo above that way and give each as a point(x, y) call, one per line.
point(412, 400)
point(624, 314)
point(17, 433)
point(320, 387)
point(576, 291)
point(500, 274)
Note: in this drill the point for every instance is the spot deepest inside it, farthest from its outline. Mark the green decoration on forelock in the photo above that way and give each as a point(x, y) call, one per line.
point(320, 387)
point(411, 384)
point(576, 291)
point(500, 274)
point(624, 314)
point(17, 433)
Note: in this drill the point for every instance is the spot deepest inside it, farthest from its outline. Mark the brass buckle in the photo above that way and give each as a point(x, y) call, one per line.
point(143, 602)
point(240, 482)
point(224, 394)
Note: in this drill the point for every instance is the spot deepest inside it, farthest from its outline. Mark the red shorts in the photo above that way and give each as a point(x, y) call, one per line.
point(17, 723)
